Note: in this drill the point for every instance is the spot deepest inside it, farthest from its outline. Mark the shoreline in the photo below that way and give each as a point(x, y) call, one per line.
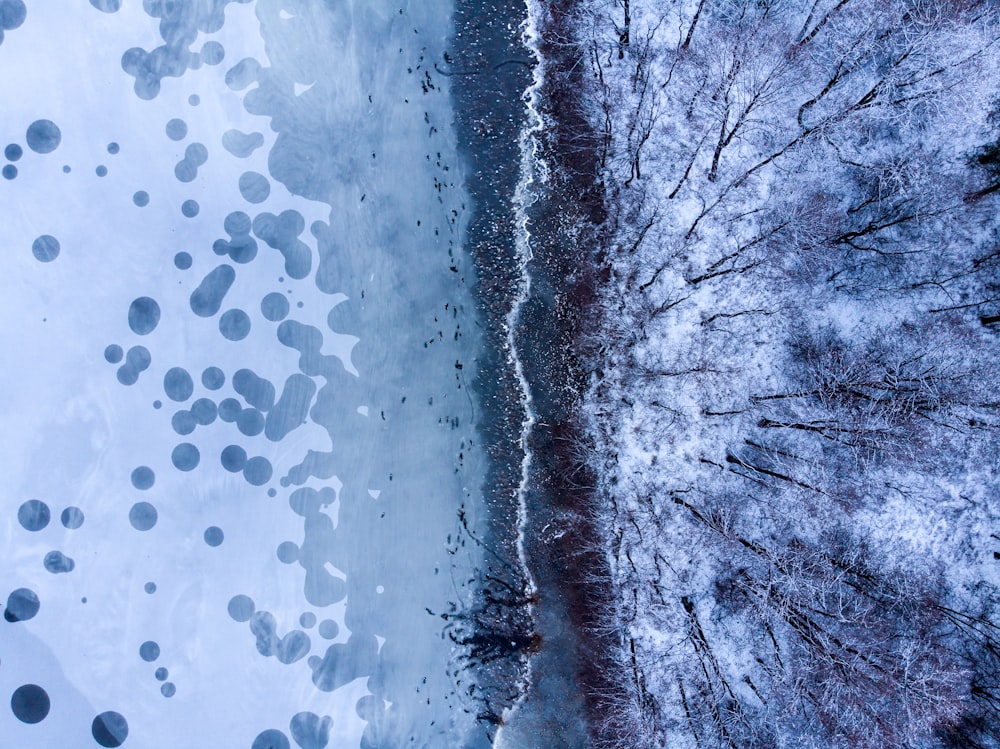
point(569, 685)
point(548, 684)
point(497, 632)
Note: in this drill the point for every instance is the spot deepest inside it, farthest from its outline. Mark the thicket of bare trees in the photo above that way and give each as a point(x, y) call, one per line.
point(795, 401)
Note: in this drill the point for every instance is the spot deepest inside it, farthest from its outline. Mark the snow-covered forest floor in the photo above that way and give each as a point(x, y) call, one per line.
point(794, 405)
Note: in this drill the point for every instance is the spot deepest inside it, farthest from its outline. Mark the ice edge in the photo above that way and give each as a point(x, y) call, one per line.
point(532, 169)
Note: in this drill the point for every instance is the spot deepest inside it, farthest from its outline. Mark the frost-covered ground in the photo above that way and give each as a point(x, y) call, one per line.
point(793, 405)
point(236, 428)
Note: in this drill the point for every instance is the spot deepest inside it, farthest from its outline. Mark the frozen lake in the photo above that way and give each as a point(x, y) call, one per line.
point(238, 328)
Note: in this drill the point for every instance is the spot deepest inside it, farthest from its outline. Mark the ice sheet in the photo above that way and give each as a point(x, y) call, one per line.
point(322, 479)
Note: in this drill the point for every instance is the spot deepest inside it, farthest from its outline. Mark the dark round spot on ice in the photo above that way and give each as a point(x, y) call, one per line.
point(161, 674)
point(307, 620)
point(143, 315)
point(177, 129)
point(142, 516)
point(272, 492)
point(256, 390)
point(282, 233)
point(33, 515)
point(72, 518)
point(212, 53)
point(257, 471)
point(270, 739)
point(109, 729)
point(182, 260)
point(45, 248)
point(113, 353)
point(43, 136)
point(137, 360)
point(287, 649)
point(66, 169)
point(157, 404)
point(56, 562)
point(204, 411)
point(30, 703)
point(328, 629)
point(168, 689)
point(233, 458)
point(241, 144)
point(250, 422)
point(150, 588)
point(240, 248)
point(183, 422)
point(9, 171)
point(141, 198)
point(254, 187)
point(22, 605)
point(234, 325)
point(237, 222)
point(213, 378)
point(194, 100)
point(288, 552)
point(149, 651)
point(143, 478)
point(101, 171)
point(214, 536)
point(207, 298)
point(274, 307)
point(229, 410)
point(149, 68)
point(241, 608)
point(107, 6)
point(177, 384)
point(310, 731)
point(185, 457)
point(190, 208)
point(194, 156)
point(13, 152)
point(113, 148)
